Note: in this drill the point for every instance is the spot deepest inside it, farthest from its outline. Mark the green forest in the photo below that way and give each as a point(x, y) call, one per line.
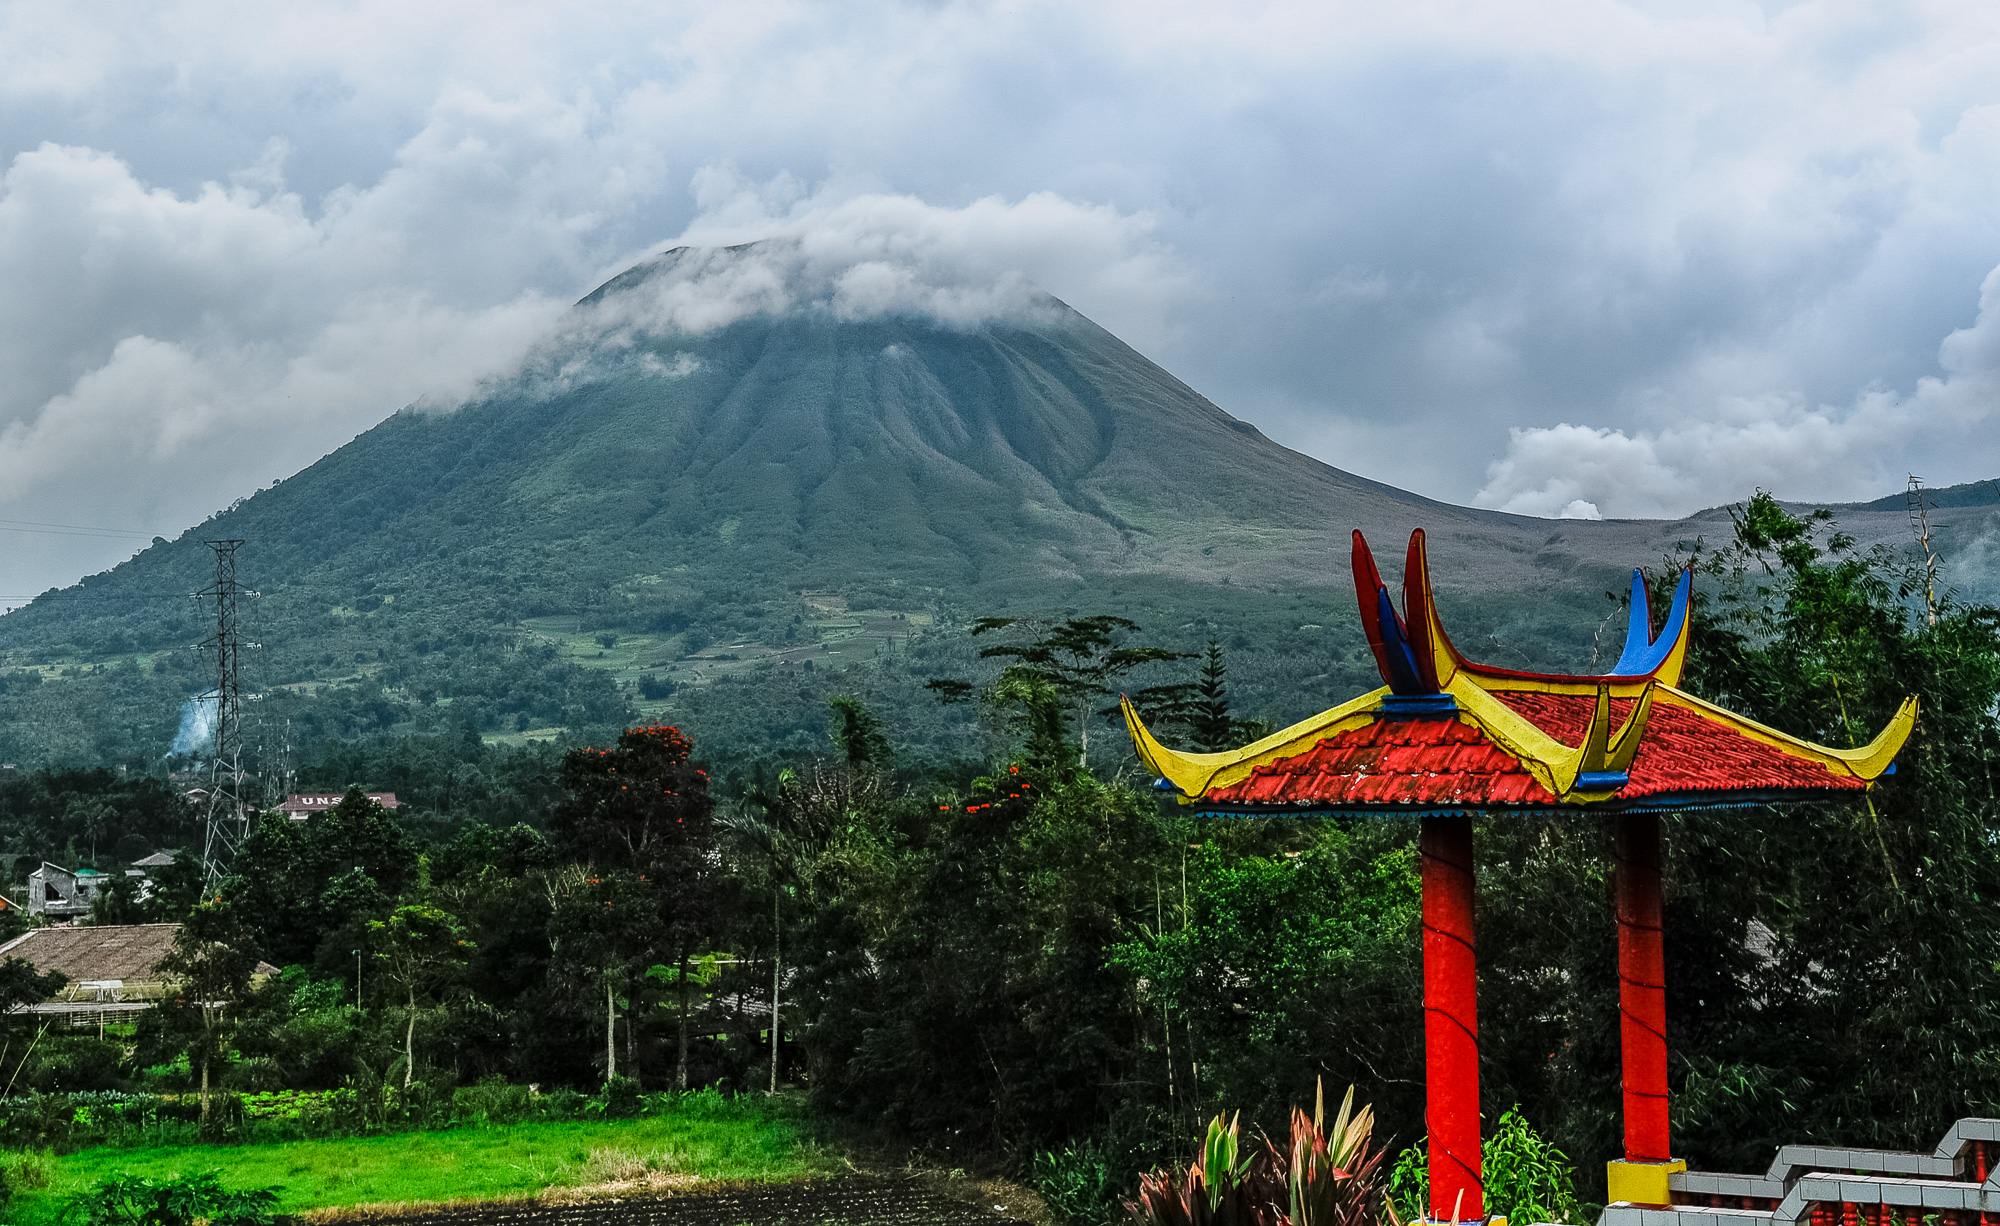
point(1010, 953)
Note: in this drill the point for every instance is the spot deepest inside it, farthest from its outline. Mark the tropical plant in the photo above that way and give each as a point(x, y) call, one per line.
point(129, 1200)
point(1225, 1185)
point(1080, 658)
point(1331, 1176)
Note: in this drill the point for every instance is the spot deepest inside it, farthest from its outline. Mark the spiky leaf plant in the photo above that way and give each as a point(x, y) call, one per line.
point(1226, 1185)
point(1331, 1176)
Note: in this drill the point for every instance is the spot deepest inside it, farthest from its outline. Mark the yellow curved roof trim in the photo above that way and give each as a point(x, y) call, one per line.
point(1669, 671)
point(1619, 687)
point(1865, 762)
point(1195, 773)
point(1553, 764)
point(1421, 602)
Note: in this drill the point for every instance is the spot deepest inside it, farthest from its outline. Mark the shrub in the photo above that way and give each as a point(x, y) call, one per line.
point(563, 1104)
point(491, 1101)
point(621, 1098)
point(1331, 1176)
point(132, 1201)
point(1527, 1178)
point(1075, 1182)
point(1223, 1186)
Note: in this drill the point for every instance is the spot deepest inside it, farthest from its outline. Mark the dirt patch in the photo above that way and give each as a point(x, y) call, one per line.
point(860, 1200)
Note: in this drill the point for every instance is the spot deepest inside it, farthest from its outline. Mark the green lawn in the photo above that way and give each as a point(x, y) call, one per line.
point(460, 1164)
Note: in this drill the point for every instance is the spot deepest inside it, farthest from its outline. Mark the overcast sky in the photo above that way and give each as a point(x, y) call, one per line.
point(1554, 256)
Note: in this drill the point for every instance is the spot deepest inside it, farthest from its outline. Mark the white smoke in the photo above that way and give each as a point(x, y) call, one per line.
point(197, 731)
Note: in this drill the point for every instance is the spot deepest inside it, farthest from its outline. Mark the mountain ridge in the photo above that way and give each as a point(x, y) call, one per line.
point(641, 502)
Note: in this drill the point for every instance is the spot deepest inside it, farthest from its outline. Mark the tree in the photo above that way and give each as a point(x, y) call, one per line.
point(213, 958)
point(642, 808)
point(1213, 730)
point(177, 887)
point(1833, 975)
point(1079, 658)
point(119, 903)
point(20, 985)
point(1881, 958)
point(856, 733)
point(94, 816)
point(793, 827)
point(421, 948)
point(281, 878)
point(1200, 709)
point(642, 804)
point(600, 930)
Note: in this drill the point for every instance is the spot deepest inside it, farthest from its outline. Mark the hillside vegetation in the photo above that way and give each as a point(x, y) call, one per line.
point(725, 529)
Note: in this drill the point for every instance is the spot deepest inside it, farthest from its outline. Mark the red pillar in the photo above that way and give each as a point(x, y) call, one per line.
point(1451, 1020)
point(1642, 988)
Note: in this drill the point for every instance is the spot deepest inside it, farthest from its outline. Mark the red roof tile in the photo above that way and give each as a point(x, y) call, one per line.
point(1680, 750)
point(1432, 762)
point(1409, 762)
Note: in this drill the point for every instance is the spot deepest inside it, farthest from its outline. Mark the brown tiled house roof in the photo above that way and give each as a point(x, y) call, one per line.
point(107, 951)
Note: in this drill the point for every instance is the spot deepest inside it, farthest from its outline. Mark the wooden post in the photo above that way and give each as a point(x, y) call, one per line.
point(1451, 1020)
point(1642, 988)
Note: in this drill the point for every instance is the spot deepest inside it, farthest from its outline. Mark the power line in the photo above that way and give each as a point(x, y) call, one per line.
point(33, 525)
point(58, 594)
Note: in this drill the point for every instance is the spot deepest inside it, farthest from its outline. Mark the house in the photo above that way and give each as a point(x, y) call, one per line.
point(62, 894)
point(113, 969)
point(299, 807)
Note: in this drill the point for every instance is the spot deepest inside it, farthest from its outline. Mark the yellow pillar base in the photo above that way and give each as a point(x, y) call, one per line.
point(1640, 1183)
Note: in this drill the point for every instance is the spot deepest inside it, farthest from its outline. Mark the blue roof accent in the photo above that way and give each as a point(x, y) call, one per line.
point(1403, 676)
point(1643, 653)
point(1416, 706)
point(1681, 802)
point(1601, 781)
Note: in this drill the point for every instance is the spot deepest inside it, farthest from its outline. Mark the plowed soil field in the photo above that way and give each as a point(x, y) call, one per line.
point(866, 1200)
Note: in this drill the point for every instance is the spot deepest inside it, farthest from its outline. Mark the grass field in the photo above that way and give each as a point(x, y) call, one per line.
point(481, 1163)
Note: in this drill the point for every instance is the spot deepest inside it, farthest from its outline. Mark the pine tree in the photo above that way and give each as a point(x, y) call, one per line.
point(1213, 730)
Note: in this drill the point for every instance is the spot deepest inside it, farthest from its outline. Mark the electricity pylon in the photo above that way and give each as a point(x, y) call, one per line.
point(228, 809)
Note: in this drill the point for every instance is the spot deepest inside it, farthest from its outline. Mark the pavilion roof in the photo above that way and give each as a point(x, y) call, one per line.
point(1444, 733)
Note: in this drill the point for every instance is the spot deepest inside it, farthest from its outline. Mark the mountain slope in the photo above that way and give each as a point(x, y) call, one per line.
point(727, 507)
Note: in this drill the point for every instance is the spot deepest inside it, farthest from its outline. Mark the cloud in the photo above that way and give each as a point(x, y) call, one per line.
point(166, 352)
point(1546, 255)
point(1770, 443)
point(766, 251)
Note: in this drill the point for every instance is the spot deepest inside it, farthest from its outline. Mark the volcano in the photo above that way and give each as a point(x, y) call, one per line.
point(704, 512)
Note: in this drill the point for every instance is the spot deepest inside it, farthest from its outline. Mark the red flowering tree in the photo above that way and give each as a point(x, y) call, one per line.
point(641, 809)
